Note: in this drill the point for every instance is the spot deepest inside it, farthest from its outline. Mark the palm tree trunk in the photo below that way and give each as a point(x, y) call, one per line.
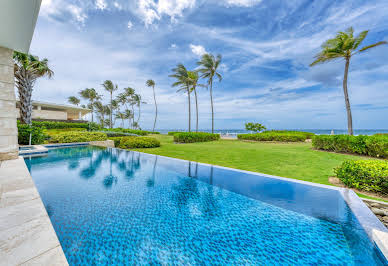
point(347, 103)
point(92, 108)
point(196, 107)
point(211, 102)
point(133, 115)
point(156, 109)
point(188, 93)
point(138, 117)
point(111, 111)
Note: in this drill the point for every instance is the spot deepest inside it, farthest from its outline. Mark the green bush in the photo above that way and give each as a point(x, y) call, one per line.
point(131, 131)
point(273, 136)
point(368, 175)
point(137, 142)
point(56, 125)
point(37, 134)
point(190, 137)
point(69, 137)
point(308, 135)
point(117, 134)
point(116, 140)
point(172, 133)
point(376, 146)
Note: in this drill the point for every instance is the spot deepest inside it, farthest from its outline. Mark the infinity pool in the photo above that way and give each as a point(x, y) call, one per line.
point(110, 206)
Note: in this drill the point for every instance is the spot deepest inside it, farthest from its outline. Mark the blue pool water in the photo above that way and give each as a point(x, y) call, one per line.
point(111, 206)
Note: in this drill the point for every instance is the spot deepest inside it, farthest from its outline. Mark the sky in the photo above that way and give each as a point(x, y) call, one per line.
point(266, 48)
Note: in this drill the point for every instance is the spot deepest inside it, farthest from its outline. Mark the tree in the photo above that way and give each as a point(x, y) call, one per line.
point(27, 69)
point(151, 83)
point(128, 115)
point(73, 100)
point(137, 101)
point(91, 95)
point(180, 73)
point(110, 87)
point(102, 110)
point(256, 127)
point(193, 79)
point(343, 46)
point(208, 69)
point(120, 115)
point(129, 92)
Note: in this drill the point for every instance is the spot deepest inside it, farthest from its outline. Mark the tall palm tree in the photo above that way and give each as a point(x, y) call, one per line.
point(102, 110)
point(27, 69)
point(110, 87)
point(343, 46)
point(151, 83)
point(121, 116)
point(208, 69)
point(128, 115)
point(73, 100)
point(193, 79)
point(138, 102)
point(183, 82)
point(91, 95)
point(130, 92)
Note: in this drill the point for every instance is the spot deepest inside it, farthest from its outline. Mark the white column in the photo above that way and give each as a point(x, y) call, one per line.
point(9, 148)
point(80, 115)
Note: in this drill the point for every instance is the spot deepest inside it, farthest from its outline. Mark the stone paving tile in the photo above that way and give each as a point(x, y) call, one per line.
point(15, 197)
point(52, 257)
point(21, 213)
point(24, 242)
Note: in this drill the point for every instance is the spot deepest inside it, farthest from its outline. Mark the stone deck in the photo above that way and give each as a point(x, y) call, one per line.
point(26, 233)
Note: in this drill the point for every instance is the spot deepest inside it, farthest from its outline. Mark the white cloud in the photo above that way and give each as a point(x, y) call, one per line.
point(173, 46)
point(130, 25)
point(242, 3)
point(150, 11)
point(101, 4)
point(117, 5)
point(78, 13)
point(198, 49)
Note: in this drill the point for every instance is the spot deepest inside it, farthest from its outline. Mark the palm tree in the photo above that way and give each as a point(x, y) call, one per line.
point(129, 92)
point(151, 83)
point(208, 69)
point(137, 100)
point(102, 110)
point(128, 115)
point(193, 79)
point(73, 100)
point(27, 69)
point(110, 87)
point(120, 115)
point(91, 95)
point(344, 45)
point(180, 73)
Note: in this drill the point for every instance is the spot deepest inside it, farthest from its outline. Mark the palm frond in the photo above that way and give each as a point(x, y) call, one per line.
point(372, 45)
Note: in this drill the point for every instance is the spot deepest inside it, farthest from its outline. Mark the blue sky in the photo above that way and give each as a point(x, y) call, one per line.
point(267, 47)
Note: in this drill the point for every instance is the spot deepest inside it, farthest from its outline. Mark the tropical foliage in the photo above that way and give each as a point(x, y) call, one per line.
point(73, 100)
point(256, 127)
point(274, 136)
point(343, 46)
point(137, 142)
point(367, 175)
point(78, 136)
point(151, 83)
point(25, 131)
point(27, 69)
point(191, 137)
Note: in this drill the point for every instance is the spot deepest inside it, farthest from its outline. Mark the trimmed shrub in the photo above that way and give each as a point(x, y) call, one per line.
point(116, 140)
point(68, 137)
point(367, 175)
point(137, 142)
point(190, 137)
point(131, 131)
point(376, 146)
point(56, 125)
point(37, 134)
point(111, 134)
point(172, 133)
point(273, 136)
point(308, 135)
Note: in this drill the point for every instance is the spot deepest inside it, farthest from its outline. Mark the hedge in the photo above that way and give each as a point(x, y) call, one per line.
point(375, 146)
point(37, 134)
point(117, 134)
point(68, 137)
point(273, 136)
point(131, 131)
point(172, 133)
point(308, 135)
point(136, 142)
point(367, 175)
point(190, 137)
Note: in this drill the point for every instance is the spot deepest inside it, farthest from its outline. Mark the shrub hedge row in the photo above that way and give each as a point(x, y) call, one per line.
point(375, 146)
point(135, 142)
point(131, 131)
point(308, 135)
point(273, 136)
point(190, 137)
point(69, 137)
point(56, 125)
point(37, 134)
point(368, 175)
point(172, 133)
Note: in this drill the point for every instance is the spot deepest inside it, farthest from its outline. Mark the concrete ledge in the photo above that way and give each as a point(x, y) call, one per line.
point(106, 143)
point(26, 232)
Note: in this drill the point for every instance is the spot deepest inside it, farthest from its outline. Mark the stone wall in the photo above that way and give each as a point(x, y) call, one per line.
point(8, 129)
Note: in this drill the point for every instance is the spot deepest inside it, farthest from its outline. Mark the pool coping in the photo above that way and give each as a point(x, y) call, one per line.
point(26, 233)
point(374, 228)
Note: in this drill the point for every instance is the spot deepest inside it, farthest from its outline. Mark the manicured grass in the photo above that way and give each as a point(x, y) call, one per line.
point(292, 160)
